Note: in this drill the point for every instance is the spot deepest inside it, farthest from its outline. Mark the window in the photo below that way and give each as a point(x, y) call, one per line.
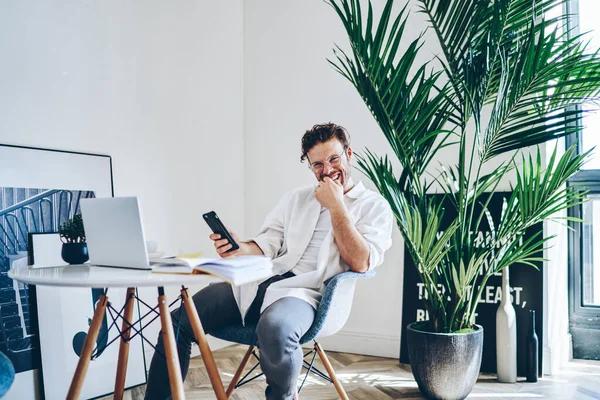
point(584, 238)
point(590, 268)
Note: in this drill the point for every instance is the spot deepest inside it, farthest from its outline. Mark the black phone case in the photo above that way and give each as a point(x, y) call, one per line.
point(213, 221)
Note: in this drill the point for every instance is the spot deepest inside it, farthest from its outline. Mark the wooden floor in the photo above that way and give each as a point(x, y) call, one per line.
point(366, 377)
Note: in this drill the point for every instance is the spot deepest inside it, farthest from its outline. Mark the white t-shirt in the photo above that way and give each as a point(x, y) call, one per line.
point(308, 261)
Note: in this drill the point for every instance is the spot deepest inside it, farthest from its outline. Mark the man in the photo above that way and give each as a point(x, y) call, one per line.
point(312, 234)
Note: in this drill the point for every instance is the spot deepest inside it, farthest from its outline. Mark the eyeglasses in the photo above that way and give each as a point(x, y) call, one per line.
point(333, 161)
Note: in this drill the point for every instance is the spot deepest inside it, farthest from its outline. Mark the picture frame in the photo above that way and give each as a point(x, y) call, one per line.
point(40, 189)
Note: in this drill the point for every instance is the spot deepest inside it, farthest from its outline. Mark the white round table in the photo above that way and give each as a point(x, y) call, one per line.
point(107, 277)
point(103, 277)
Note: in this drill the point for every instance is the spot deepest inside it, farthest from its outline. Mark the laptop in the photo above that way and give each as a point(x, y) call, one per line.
point(114, 232)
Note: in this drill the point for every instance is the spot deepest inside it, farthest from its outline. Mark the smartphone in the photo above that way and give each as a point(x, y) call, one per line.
point(213, 221)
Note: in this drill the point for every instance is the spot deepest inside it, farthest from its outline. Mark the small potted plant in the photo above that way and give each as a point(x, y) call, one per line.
point(72, 234)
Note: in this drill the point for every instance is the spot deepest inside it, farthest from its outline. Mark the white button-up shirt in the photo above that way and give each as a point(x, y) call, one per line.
point(288, 229)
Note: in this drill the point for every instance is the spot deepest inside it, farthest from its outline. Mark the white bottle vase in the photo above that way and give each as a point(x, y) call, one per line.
point(506, 335)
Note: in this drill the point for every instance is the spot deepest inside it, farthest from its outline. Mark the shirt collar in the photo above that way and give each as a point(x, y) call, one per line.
point(356, 191)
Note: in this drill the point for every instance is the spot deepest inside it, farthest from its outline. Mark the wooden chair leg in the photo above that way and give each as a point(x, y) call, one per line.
point(207, 356)
point(171, 355)
point(88, 348)
point(331, 372)
point(239, 372)
point(124, 345)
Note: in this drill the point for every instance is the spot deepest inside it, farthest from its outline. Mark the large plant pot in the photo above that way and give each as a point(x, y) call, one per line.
point(445, 365)
point(75, 253)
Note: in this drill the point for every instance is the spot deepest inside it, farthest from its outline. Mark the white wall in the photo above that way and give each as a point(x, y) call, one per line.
point(156, 85)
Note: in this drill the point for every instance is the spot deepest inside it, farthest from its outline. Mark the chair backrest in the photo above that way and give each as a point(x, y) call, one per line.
point(336, 303)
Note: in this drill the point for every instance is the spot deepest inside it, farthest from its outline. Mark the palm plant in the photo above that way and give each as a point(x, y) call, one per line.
point(507, 80)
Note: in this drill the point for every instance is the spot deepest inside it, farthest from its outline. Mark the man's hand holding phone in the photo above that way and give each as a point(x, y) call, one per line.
point(224, 246)
point(226, 242)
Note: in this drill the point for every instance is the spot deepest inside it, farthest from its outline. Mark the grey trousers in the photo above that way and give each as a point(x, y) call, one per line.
point(278, 329)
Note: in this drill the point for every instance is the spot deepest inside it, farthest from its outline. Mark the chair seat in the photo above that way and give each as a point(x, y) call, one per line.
point(246, 335)
point(343, 285)
point(237, 334)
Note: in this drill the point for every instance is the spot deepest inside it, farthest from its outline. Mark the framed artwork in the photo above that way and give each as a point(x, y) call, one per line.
point(39, 190)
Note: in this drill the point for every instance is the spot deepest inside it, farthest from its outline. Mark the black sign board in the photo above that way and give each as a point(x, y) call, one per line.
point(527, 294)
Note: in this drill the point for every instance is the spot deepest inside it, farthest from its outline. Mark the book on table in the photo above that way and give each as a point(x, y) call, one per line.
point(236, 270)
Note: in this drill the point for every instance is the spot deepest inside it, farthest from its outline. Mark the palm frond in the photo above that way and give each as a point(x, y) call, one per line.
point(527, 206)
point(411, 109)
point(549, 74)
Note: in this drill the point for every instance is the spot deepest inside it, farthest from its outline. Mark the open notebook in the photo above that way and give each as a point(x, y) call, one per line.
point(235, 270)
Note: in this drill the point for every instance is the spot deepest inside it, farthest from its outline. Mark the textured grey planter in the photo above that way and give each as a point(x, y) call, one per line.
point(445, 365)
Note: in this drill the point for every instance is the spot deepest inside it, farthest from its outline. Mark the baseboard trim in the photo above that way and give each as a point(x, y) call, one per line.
point(547, 361)
point(365, 343)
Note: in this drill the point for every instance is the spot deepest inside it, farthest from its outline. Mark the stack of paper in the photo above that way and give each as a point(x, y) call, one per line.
point(236, 270)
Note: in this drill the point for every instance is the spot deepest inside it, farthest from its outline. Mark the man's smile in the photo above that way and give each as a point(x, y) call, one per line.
point(334, 177)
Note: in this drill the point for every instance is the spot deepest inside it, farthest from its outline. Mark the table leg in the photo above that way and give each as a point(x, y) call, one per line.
point(124, 345)
point(209, 361)
point(171, 355)
point(88, 348)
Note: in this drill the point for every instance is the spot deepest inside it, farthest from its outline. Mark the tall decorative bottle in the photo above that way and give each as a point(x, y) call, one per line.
point(506, 335)
point(531, 350)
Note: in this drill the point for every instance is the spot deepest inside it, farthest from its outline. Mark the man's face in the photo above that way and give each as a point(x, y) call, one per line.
point(330, 159)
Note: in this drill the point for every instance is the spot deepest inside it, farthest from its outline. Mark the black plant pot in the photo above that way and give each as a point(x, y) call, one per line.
point(445, 365)
point(75, 253)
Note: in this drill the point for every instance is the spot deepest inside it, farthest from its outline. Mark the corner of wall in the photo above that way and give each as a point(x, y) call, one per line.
point(245, 211)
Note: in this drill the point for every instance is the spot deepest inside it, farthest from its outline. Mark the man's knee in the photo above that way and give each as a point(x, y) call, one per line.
point(276, 329)
point(277, 334)
point(275, 340)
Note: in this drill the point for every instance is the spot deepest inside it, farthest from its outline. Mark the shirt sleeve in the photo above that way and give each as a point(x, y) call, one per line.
point(270, 236)
point(376, 227)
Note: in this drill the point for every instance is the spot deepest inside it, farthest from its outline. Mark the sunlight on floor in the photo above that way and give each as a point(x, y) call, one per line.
point(504, 395)
point(385, 380)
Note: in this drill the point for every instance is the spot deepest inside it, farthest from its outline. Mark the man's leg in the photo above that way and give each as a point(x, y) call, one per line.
point(279, 330)
point(216, 307)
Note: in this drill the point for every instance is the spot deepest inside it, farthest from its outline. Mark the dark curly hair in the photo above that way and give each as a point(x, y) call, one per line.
point(322, 133)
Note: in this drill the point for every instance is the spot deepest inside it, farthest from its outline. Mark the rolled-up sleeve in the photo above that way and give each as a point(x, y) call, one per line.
point(270, 236)
point(376, 227)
